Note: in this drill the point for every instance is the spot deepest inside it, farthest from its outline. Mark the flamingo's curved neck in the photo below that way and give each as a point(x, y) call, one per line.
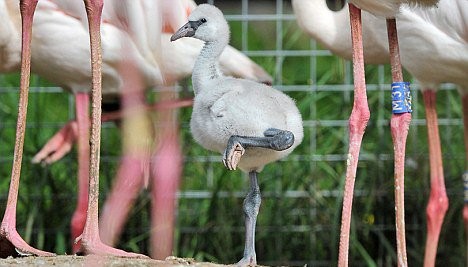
point(206, 66)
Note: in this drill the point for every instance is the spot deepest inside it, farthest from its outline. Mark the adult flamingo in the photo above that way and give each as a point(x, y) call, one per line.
point(360, 116)
point(90, 237)
point(399, 122)
point(423, 31)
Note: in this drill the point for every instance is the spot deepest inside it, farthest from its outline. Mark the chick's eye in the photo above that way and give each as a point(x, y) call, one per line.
point(203, 20)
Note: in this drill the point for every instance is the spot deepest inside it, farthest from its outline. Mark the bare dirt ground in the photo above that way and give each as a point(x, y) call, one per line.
point(93, 260)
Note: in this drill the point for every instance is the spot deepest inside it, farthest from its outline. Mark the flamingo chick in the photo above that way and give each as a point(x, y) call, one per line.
point(251, 124)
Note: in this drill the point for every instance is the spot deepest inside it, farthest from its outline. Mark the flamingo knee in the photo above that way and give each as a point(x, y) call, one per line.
point(436, 209)
point(359, 118)
point(435, 212)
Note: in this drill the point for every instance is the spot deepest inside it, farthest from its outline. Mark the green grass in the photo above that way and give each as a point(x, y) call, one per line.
point(290, 230)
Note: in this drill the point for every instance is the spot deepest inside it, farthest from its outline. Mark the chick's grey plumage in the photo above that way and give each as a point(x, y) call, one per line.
point(245, 108)
point(252, 124)
point(226, 106)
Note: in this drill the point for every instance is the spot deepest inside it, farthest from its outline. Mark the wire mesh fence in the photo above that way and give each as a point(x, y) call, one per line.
point(300, 215)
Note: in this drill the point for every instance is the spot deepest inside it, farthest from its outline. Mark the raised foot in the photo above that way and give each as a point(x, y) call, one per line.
point(248, 261)
point(11, 244)
point(99, 248)
point(232, 155)
point(59, 145)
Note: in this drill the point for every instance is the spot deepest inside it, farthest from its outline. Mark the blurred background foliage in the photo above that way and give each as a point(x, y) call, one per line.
point(299, 219)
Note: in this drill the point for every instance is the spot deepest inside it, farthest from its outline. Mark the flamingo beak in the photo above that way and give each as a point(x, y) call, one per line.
point(188, 30)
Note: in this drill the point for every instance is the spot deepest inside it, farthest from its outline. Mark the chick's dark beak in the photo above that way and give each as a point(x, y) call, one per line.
point(188, 30)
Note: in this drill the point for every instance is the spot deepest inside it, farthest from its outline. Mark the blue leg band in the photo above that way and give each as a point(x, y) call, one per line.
point(401, 98)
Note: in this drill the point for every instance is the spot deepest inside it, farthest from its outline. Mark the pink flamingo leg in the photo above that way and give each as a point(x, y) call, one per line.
point(129, 180)
point(133, 171)
point(438, 201)
point(90, 241)
point(399, 125)
point(167, 170)
point(127, 185)
point(135, 161)
point(8, 228)
point(82, 119)
point(357, 125)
